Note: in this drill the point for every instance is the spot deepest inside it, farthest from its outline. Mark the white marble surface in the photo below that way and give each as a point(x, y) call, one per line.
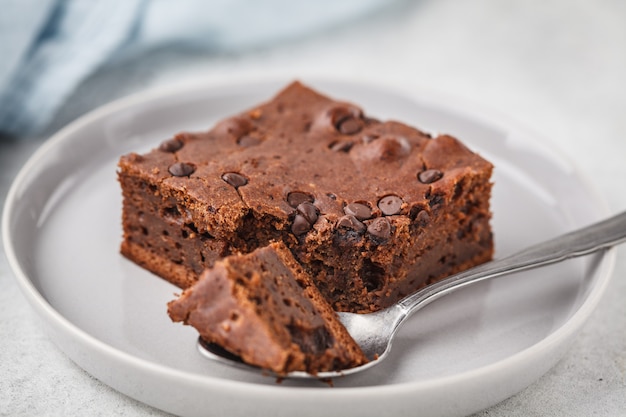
point(558, 66)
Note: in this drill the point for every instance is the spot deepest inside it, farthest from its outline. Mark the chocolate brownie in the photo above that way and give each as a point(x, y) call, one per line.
point(263, 307)
point(373, 210)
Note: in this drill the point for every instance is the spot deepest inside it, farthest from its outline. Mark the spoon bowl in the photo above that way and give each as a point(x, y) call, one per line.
point(374, 332)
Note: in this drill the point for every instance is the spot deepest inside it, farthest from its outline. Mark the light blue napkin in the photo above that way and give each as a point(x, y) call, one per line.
point(47, 47)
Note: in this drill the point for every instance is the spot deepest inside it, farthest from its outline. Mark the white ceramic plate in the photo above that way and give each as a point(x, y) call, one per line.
point(466, 352)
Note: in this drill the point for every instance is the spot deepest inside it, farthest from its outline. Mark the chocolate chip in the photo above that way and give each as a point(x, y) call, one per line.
point(308, 211)
point(350, 125)
point(171, 145)
point(341, 146)
point(380, 228)
point(300, 225)
point(296, 198)
point(393, 148)
point(235, 179)
point(331, 196)
point(181, 169)
point(350, 222)
point(247, 141)
point(234, 126)
point(343, 112)
point(388, 148)
point(390, 205)
point(422, 218)
point(429, 176)
point(414, 210)
point(358, 210)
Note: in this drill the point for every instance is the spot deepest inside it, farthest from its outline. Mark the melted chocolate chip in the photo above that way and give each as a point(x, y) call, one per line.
point(341, 146)
point(358, 210)
point(235, 179)
point(300, 225)
point(350, 222)
point(296, 198)
point(422, 218)
point(308, 211)
point(181, 169)
point(343, 112)
point(350, 125)
point(380, 228)
point(390, 205)
point(393, 148)
point(414, 210)
point(385, 149)
point(247, 141)
point(171, 145)
point(234, 126)
point(429, 176)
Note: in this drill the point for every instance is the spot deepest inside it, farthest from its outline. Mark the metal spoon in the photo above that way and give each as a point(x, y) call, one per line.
point(374, 332)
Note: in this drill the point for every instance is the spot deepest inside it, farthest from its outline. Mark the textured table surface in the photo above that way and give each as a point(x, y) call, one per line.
point(557, 66)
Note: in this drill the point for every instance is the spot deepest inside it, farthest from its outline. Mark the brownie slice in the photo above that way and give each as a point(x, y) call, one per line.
point(265, 309)
point(373, 210)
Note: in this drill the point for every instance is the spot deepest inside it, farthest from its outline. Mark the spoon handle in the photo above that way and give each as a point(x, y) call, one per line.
point(580, 242)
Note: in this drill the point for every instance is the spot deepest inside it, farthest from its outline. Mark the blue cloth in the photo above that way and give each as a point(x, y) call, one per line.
point(47, 47)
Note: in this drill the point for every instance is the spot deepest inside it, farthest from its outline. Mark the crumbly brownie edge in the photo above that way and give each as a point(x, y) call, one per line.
point(344, 351)
point(212, 307)
point(445, 234)
point(263, 307)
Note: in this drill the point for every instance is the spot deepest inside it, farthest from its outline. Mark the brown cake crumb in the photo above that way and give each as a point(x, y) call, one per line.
point(265, 309)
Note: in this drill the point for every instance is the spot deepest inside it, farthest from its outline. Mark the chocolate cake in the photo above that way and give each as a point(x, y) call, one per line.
point(372, 210)
point(264, 308)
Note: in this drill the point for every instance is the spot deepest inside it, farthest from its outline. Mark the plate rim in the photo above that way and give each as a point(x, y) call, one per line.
point(465, 107)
